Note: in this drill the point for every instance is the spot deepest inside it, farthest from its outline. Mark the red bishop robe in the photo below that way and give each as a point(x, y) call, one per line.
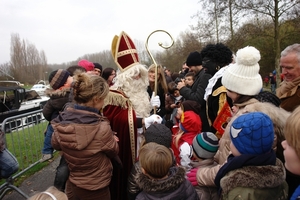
point(118, 109)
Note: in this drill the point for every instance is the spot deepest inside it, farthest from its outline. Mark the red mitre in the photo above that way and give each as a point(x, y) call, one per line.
point(124, 52)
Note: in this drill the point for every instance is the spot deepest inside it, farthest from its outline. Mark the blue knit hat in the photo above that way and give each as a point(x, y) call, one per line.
point(252, 133)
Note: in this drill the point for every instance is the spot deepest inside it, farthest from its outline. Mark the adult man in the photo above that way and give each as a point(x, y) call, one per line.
point(197, 91)
point(289, 93)
point(127, 107)
point(289, 90)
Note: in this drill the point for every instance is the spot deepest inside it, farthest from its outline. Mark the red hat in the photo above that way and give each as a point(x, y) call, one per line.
point(190, 122)
point(87, 65)
point(124, 52)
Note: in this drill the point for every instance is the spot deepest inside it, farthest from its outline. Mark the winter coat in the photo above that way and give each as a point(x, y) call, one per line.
point(132, 188)
point(87, 143)
point(58, 98)
point(206, 176)
point(289, 94)
point(255, 182)
point(205, 192)
point(196, 93)
point(175, 186)
point(290, 103)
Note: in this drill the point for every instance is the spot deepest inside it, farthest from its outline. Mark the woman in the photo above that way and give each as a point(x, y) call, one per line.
point(109, 74)
point(162, 88)
point(86, 140)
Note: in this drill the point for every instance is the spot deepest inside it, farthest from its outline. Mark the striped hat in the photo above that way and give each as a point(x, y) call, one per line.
point(205, 145)
point(58, 78)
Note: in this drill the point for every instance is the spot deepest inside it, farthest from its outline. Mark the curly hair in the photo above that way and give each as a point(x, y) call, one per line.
point(216, 56)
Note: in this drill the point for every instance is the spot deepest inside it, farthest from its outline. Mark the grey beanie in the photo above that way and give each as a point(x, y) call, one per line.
point(205, 145)
point(159, 134)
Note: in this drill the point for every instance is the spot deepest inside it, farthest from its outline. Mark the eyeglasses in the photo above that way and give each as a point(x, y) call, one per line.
point(112, 74)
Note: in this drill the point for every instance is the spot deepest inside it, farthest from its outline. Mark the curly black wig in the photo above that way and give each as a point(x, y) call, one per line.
point(215, 56)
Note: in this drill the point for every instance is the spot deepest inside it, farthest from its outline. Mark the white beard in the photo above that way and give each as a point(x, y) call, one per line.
point(135, 89)
point(139, 97)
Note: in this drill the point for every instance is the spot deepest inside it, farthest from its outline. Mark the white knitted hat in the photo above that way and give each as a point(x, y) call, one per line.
point(243, 76)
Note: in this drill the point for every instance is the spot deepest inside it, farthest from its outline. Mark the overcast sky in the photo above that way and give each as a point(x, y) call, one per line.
point(68, 29)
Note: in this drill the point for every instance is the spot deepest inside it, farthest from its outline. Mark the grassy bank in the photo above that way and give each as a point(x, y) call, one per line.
point(26, 144)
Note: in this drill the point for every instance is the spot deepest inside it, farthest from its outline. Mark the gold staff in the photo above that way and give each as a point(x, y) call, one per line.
point(161, 45)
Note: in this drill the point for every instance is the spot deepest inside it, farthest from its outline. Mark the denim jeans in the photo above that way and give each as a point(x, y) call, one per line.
point(8, 164)
point(47, 149)
point(62, 175)
point(273, 88)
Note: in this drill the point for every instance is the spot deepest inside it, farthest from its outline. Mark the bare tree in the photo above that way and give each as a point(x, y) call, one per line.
point(278, 11)
point(216, 20)
point(27, 63)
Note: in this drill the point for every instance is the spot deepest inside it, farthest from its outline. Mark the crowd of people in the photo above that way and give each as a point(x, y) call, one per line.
point(209, 131)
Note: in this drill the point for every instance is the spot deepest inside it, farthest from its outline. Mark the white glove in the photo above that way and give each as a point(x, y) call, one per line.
point(155, 101)
point(152, 120)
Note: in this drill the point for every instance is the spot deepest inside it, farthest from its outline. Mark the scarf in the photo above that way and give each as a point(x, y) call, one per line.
point(288, 89)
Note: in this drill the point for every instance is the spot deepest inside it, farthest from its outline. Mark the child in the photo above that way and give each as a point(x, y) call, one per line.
point(291, 147)
point(52, 193)
point(159, 134)
point(252, 170)
point(172, 102)
point(159, 178)
point(205, 146)
point(60, 81)
point(189, 79)
point(184, 132)
point(86, 140)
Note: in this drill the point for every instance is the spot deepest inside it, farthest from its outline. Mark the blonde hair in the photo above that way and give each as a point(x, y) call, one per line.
point(292, 130)
point(177, 137)
point(161, 80)
point(155, 159)
point(52, 193)
point(86, 87)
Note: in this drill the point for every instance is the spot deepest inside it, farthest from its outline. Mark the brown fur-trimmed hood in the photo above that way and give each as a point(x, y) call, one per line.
point(51, 92)
point(254, 177)
point(174, 180)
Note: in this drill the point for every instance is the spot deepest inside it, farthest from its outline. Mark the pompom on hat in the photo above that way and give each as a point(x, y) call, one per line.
point(243, 76)
point(124, 52)
point(252, 133)
point(159, 134)
point(205, 145)
point(58, 78)
point(87, 65)
point(194, 59)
